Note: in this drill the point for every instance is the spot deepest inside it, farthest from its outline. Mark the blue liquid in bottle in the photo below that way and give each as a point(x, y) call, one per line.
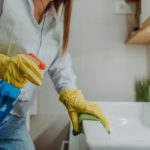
point(8, 98)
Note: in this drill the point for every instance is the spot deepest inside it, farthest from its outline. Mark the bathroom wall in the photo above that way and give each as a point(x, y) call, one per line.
point(148, 61)
point(105, 66)
point(145, 10)
point(145, 14)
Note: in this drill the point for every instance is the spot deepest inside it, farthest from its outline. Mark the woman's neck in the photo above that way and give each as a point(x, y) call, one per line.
point(40, 7)
point(45, 3)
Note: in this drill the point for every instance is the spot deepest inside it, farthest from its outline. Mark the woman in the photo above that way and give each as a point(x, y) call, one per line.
point(40, 27)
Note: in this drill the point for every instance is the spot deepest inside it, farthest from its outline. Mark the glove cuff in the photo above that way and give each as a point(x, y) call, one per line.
point(70, 94)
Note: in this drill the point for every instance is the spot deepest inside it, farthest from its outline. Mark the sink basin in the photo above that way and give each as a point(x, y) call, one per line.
point(129, 130)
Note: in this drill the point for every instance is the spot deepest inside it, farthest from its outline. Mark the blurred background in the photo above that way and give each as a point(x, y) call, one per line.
point(105, 65)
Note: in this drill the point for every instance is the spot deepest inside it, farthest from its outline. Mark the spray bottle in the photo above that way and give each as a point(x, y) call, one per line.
point(9, 93)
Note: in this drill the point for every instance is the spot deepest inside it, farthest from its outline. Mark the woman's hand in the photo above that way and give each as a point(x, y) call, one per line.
point(19, 69)
point(76, 105)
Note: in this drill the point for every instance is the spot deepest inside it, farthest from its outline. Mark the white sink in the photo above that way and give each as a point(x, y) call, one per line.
point(129, 128)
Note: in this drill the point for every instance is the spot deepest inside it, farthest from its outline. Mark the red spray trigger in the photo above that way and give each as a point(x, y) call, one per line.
point(39, 62)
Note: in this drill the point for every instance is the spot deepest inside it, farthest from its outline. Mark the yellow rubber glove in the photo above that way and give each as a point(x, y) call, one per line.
point(19, 69)
point(76, 104)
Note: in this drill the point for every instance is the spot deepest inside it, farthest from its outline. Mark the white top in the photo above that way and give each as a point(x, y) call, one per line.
point(19, 28)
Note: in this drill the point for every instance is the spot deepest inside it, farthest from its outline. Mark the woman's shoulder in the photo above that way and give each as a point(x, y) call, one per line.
point(14, 8)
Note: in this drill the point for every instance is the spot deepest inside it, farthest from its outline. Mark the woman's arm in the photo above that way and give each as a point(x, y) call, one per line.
point(64, 80)
point(62, 74)
point(60, 70)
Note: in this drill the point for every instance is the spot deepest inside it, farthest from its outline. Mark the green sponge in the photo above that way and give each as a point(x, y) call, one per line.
point(89, 117)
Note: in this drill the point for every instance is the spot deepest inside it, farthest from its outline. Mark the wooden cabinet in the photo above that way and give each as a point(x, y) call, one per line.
point(131, 1)
point(142, 35)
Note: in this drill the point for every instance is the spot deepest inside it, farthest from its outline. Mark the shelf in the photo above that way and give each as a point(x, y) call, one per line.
point(142, 36)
